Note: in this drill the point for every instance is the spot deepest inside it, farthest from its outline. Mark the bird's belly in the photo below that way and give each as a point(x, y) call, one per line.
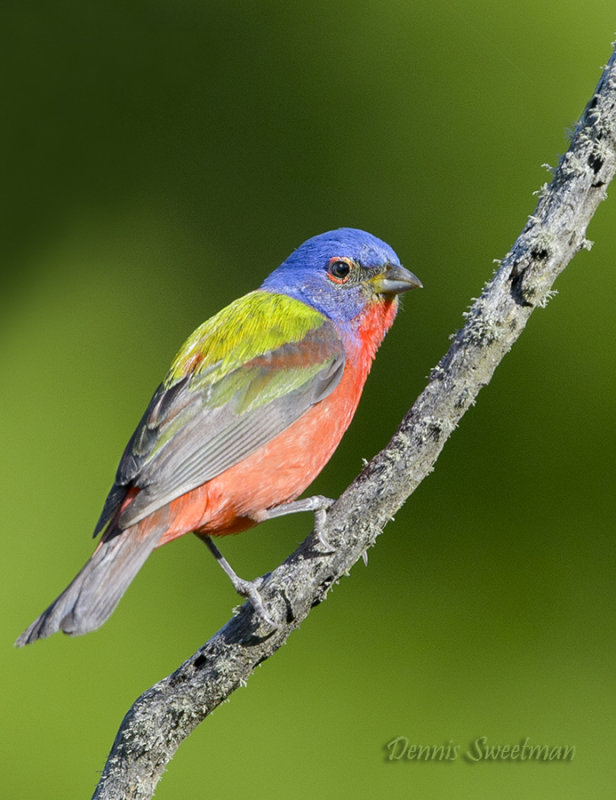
point(276, 473)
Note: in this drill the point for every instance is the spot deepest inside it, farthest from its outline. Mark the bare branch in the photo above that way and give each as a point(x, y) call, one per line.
point(162, 717)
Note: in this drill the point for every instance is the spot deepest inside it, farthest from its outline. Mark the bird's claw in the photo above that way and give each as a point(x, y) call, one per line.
point(318, 504)
point(250, 590)
point(320, 516)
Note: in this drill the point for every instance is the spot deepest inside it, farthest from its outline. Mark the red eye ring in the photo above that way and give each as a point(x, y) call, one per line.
point(339, 269)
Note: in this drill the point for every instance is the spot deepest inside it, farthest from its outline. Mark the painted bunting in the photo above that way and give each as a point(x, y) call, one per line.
point(251, 410)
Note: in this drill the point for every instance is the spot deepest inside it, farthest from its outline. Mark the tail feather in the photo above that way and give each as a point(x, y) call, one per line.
point(95, 592)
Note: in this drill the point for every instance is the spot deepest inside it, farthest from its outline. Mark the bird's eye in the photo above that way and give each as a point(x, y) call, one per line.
point(339, 269)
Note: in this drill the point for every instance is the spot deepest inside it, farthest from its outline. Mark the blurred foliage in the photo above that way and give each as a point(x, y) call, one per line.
point(161, 159)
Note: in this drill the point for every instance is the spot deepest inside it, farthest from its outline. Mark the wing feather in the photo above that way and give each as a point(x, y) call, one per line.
point(205, 422)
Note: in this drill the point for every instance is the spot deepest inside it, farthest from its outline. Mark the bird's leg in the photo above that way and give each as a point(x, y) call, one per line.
point(245, 588)
point(317, 504)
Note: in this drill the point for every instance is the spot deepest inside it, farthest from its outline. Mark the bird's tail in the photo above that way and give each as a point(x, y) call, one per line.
point(93, 595)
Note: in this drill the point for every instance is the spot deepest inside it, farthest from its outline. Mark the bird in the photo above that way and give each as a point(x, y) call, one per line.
point(253, 406)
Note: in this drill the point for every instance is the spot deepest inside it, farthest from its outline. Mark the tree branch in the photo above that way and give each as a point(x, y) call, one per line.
point(164, 716)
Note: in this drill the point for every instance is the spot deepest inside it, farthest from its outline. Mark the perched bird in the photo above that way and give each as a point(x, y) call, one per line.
point(251, 410)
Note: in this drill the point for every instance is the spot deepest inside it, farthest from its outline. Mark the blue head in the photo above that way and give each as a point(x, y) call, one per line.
point(340, 272)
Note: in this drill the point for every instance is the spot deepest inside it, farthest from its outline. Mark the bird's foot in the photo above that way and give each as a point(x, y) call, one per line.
point(318, 504)
point(248, 589)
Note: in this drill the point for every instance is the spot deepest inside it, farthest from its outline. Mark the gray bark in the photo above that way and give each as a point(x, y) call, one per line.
point(163, 717)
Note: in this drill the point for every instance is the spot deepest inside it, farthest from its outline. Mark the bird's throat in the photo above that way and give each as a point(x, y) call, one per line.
point(370, 327)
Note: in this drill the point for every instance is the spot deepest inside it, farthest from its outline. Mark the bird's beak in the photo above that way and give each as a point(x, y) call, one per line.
point(394, 280)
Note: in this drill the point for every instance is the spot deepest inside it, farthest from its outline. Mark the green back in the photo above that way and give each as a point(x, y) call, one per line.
point(255, 324)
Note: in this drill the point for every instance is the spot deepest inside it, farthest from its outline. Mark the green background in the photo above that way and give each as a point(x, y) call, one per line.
point(161, 159)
